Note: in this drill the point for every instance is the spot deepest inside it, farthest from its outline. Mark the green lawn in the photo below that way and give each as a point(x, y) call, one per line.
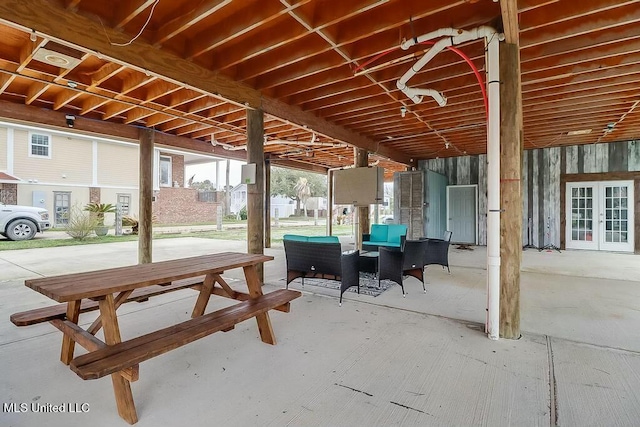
point(228, 234)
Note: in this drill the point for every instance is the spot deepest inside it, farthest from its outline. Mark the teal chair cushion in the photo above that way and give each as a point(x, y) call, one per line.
point(395, 232)
point(323, 239)
point(295, 237)
point(378, 233)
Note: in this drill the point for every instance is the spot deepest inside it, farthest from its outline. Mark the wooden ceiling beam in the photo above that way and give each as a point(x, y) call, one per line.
point(114, 109)
point(35, 90)
point(623, 15)
point(244, 21)
point(81, 31)
point(64, 97)
point(182, 23)
point(108, 70)
point(72, 4)
point(137, 114)
point(129, 10)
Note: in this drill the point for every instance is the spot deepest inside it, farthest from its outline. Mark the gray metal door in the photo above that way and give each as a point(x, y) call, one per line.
point(435, 212)
point(462, 213)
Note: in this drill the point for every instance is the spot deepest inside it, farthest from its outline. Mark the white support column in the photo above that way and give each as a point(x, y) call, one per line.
point(94, 163)
point(493, 190)
point(10, 151)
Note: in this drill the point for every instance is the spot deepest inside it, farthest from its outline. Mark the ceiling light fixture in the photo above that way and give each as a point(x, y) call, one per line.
point(403, 111)
point(70, 120)
point(72, 84)
point(579, 132)
point(33, 36)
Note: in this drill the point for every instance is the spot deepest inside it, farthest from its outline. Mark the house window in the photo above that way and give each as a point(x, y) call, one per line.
point(125, 201)
point(39, 145)
point(165, 171)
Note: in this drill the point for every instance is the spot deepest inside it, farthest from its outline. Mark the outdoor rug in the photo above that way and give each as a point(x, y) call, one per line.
point(368, 284)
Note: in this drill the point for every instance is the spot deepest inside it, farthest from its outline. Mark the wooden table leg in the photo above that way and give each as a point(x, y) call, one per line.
point(255, 290)
point(68, 344)
point(118, 301)
point(121, 387)
point(204, 295)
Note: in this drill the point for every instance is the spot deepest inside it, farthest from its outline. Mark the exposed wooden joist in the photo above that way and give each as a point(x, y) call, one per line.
point(176, 26)
point(129, 10)
point(81, 31)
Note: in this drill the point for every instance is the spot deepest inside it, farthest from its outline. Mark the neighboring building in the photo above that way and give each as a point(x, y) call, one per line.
point(285, 206)
point(56, 170)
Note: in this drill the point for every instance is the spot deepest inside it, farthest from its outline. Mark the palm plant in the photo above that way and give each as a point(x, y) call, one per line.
point(99, 209)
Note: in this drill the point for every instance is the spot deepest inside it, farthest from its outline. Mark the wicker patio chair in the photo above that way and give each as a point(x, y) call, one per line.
point(438, 251)
point(394, 264)
point(321, 260)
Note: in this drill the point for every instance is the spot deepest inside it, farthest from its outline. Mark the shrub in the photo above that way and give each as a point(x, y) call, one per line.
point(99, 209)
point(132, 221)
point(243, 213)
point(80, 224)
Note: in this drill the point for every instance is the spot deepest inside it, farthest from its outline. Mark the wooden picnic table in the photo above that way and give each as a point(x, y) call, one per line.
point(115, 286)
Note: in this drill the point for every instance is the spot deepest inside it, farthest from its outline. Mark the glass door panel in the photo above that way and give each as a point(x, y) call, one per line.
point(600, 215)
point(582, 232)
point(616, 227)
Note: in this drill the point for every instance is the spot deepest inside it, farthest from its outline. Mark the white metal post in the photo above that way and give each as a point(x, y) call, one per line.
point(493, 189)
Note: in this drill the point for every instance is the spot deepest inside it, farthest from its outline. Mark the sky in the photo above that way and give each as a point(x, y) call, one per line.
point(206, 171)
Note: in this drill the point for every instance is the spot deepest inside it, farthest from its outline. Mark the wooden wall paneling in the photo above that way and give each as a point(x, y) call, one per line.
point(436, 165)
point(463, 175)
point(636, 214)
point(589, 159)
point(525, 196)
point(537, 213)
point(553, 191)
point(545, 223)
point(473, 170)
point(482, 199)
point(618, 156)
point(572, 159)
point(633, 156)
point(529, 192)
point(602, 157)
point(452, 174)
point(580, 159)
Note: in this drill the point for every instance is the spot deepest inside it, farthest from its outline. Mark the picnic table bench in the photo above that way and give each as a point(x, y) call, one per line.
point(106, 290)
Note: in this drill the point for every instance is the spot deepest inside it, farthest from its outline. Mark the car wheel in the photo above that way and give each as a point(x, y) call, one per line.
point(21, 229)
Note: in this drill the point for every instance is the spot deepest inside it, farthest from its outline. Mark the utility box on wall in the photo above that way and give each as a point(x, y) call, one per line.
point(358, 186)
point(248, 173)
point(39, 199)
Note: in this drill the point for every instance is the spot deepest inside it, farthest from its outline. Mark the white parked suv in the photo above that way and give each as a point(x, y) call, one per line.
point(22, 222)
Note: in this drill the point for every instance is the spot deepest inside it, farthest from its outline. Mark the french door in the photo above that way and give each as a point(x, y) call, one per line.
point(600, 215)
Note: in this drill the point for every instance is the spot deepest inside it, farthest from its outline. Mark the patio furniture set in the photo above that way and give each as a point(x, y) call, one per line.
point(389, 254)
point(385, 251)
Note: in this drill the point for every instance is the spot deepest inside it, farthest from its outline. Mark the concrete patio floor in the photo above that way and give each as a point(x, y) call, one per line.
point(415, 361)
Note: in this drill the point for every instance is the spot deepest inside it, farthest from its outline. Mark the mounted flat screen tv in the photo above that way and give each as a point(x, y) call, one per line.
point(358, 186)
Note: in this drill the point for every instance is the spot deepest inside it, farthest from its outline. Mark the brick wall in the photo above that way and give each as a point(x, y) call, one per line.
point(94, 195)
point(181, 206)
point(9, 194)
